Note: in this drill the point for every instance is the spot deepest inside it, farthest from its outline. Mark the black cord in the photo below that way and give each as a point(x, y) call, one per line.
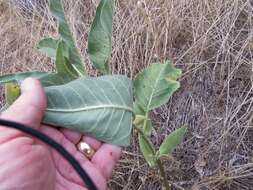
point(59, 148)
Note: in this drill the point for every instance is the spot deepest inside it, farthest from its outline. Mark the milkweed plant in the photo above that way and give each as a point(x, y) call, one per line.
point(105, 107)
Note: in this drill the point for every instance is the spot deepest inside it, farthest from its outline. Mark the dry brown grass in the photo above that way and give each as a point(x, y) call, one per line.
point(211, 40)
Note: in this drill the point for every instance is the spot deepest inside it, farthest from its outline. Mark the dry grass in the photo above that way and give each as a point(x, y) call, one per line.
point(211, 40)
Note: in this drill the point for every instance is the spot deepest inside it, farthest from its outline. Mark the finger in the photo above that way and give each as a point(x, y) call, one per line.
point(75, 137)
point(20, 161)
point(58, 136)
point(62, 165)
point(95, 174)
point(94, 143)
point(27, 109)
point(106, 158)
point(66, 172)
point(65, 169)
point(71, 135)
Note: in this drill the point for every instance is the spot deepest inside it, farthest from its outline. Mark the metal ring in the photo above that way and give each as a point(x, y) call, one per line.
point(86, 149)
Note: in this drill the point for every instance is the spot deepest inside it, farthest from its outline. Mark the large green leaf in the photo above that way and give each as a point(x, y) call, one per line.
point(57, 10)
point(171, 141)
point(63, 66)
point(154, 86)
point(48, 46)
point(138, 110)
point(147, 150)
point(100, 107)
point(54, 79)
point(100, 36)
point(21, 76)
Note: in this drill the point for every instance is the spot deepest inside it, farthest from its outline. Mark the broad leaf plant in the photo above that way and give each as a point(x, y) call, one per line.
point(104, 107)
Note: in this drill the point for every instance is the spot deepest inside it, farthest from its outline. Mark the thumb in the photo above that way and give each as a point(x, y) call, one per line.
point(29, 107)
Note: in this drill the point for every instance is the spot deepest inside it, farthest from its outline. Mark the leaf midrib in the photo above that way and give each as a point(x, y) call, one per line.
point(154, 89)
point(126, 108)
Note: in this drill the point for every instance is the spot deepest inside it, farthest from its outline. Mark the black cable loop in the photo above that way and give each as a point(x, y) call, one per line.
point(59, 148)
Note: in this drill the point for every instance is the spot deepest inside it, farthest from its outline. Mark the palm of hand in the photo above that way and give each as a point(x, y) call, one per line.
point(30, 164)
point(97, 168)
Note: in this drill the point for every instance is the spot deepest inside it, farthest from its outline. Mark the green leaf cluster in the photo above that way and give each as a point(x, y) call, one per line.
point(98, 106)
point(152, 88)
point(103, 106)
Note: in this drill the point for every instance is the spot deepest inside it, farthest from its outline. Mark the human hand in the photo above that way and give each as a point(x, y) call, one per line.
point(26, 163)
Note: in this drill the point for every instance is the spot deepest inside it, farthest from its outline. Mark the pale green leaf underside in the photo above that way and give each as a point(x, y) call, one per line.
point(47, 79)
point(56, 8)
point(99, 41)
point(100, 107)
point(155, 85)
point(48, 47)
point(171, 141)
point(21, 76)
point(53, 79)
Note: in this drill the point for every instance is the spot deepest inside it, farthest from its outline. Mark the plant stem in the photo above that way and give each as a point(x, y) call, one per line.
point(145, 139)
point(165, 183)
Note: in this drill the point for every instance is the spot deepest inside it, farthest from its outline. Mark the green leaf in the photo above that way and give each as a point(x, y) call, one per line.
point(139, 122)
point(100, 36)
point(47, 79)
point(154, 86)
point(100, 107)
point(138, 110)
point(57, 10)
point(147, 151)
point(21, 76)
point(171, 141)
point(148, 129)
point(12, 92)
point(139, 119)
point(54, 79)
point(48, 46)
point(12, 89)
point(63, 66)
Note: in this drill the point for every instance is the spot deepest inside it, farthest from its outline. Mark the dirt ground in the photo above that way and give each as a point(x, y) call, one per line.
point(210, 40)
